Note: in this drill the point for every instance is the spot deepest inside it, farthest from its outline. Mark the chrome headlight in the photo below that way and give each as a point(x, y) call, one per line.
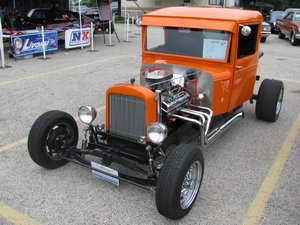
point(266, 28)
point(157, 132)
point(87, 114)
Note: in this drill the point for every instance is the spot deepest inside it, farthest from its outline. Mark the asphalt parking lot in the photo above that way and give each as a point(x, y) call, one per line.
point(252, 173)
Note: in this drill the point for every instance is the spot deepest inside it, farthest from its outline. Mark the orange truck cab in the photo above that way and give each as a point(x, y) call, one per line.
point(208, 39)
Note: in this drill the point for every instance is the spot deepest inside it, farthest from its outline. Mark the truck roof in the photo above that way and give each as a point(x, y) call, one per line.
point(219, 13)
point(204, 17)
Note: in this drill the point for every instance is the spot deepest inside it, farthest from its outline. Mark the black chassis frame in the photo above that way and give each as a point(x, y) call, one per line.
point(116, 149)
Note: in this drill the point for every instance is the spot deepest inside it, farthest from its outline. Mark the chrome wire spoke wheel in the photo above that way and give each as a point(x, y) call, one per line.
point(191, 185)
point(179, 181)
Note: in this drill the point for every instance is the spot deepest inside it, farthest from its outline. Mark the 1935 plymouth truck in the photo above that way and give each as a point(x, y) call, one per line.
point(198, 68)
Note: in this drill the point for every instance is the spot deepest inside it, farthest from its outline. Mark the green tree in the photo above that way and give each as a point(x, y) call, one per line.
point(89, 3)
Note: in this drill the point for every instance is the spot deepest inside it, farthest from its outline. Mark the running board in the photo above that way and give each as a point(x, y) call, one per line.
point(216, 132)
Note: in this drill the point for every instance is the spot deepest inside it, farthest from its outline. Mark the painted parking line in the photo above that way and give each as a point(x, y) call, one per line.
point(282, 79)
point(65, 69)
point(15, 216)
point(24, 140)
point(13, 145)
point(258, 204)
point(272, 37)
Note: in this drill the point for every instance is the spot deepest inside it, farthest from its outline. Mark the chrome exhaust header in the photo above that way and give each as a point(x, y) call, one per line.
point(203, 120)
point(220, 129)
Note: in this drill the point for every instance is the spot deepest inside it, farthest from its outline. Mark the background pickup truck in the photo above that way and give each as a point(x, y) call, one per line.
point(289, 26)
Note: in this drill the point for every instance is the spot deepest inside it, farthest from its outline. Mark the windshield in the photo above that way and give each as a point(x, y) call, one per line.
point(276, 15)
point(209, 44)
point(297, 17)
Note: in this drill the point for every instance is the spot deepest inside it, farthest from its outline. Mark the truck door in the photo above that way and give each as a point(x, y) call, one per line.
point(287, 24)
point(245, 67)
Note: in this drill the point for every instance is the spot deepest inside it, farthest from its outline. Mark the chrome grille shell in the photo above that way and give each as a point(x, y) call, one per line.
point(127, 116)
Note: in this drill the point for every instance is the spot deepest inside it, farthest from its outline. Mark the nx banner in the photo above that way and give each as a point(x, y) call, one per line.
point(73, 38)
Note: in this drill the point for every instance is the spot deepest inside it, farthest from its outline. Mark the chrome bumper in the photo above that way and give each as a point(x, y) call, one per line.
point(265, 34)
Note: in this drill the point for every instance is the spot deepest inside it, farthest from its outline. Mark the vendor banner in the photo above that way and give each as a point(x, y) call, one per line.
point(74, 37)
point(31, 43)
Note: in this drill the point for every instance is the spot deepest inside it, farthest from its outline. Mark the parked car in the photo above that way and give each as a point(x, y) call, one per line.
point(198, 69)
point(59, 20)
point(289, 10)
point(265, 31)
point(15, 25)
point(274, 15)
point(289, 26)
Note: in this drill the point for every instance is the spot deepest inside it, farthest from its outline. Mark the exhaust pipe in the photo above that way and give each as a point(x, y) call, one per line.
point(220, 129)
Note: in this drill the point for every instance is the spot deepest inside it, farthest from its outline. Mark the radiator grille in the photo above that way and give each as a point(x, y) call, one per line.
point(127, 116)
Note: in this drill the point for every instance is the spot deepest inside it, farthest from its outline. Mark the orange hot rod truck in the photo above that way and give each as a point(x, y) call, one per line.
point(198, 68)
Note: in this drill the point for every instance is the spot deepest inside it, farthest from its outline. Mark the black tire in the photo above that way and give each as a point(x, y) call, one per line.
point(49, 138)
point(269, 100)
point(294, 41)
point(280, 34)
point(263, 39)
point(169, 201)
point(106, 27)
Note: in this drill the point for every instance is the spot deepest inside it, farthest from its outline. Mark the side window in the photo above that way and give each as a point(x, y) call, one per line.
point(289, 16)
point(247, 44)
point(155, 37)
point(37, 14)
point(215, 2)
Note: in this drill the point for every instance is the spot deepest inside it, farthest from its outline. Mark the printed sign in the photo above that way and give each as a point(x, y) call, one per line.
point(31, 43)
point(214, 49)
point(73, 38)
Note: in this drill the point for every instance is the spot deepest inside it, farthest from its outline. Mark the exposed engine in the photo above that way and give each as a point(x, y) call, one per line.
point(173, 92)
point(171, 100)
point(179, 85)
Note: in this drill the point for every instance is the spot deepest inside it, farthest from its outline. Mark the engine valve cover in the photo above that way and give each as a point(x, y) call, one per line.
point(170, 103)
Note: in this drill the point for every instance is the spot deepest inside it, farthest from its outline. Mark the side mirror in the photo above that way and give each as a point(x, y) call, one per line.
point(246, 30)
point(138, 22)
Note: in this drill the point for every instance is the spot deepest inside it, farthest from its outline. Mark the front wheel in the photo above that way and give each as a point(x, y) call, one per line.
point(263, 39)
point(179, 181)
point(269, 100)
point(52, 134)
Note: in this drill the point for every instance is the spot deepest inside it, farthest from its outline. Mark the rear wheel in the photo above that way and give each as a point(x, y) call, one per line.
point(269, 100)
point(52, 134)
point(280, 34)
point(294, 40)
point(179, 181)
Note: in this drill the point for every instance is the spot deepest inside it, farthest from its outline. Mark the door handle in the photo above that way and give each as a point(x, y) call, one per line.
point(239, 67)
